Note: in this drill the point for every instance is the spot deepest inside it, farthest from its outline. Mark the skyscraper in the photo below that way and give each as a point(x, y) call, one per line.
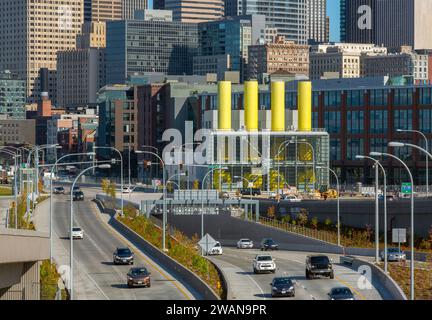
point(194, 11)
point(350, 31)
point(317, 20)
point(288, 16)
point(30, 39)
point(129, 7)
point(102, 10)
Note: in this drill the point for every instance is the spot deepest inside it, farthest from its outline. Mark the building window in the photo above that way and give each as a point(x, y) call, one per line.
point(335, 149)
point(355, 122)
point(315, 119)
point(332, 99)
point(354, 147)
point(403, 97)
point(332, 122)
point(355, 98)
point(378, 121)
point(315, 101)
point(378, 144)
point(378, 98)
point(402, 119)
point(425, 96)
point(425, 120)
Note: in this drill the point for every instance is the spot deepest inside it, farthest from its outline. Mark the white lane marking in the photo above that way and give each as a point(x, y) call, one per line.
point(262, 292)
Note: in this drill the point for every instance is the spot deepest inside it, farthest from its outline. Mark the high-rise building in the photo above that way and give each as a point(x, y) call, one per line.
point(157, 46)
point(288, 16)
point(93, 35)
point(195, 10)
point(30, 39)
point(12, 96)
point(129, 7)
point(102, 10)
point(317, 20)
point(391, 23)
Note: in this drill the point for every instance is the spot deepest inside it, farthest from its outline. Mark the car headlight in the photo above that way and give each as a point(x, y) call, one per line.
point(274, 288)
point(291, 288)
point(130, 278)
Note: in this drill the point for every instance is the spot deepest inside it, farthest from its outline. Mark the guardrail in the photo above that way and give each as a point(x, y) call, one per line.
point(184, 275)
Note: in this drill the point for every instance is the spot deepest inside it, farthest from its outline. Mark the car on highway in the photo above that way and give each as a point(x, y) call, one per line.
point(247, 192)
point(291, 198)
point(123, 256)
point(269, 244)
point(282, 287)
point(216, 250)
point(264, 263)
point(138, 276)
point(77, 233)
point(126, 190)
point(245, 244)
point(341, 293)
point(224, 195)
point(78, 196)
point(59, 190)
point(76, 188)
point(394, 254)
point(319, 265)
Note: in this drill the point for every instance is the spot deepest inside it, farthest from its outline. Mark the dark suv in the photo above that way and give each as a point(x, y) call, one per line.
point(123, 256)
point(269, 244)
point(78, 196)
point(319, 265)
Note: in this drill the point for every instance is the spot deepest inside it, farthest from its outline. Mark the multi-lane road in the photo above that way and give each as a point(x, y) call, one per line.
point(95, 276)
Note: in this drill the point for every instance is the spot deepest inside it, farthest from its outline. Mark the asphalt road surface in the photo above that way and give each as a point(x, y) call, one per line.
point(237, 265)
point(95, 276)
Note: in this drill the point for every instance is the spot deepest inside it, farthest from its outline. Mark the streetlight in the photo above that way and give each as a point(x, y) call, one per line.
point(202, 202)
point(338, 202)
point(181, 174)
point(377, 163)
point(36, 148)
point(164, 217)
point(101, 166)
point(121, 168)
point(250, 186)
point(157, 152)
point(51, 190)
point(378, 154)
point(427, 158)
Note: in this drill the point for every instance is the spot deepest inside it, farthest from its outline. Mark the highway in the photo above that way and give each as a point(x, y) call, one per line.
point(95, 276)
point(237, 266)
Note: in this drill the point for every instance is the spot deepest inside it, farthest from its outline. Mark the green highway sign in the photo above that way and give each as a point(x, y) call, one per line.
point(406, 188)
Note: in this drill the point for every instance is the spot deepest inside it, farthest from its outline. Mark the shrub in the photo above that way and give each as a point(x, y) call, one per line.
point(327, 223)
point(314, 223)
point(302, 217)
point(286, 219)
point(271, 212)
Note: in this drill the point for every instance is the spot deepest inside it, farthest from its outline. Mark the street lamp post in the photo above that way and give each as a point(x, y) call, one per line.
point(102, 166)
point(249, 184)
point(338, 202)
point(377, 163)
point(51, 191)
point(157, 152)
point(427, 158)
point(181, 174)
point(412, 214)
point(202, 202)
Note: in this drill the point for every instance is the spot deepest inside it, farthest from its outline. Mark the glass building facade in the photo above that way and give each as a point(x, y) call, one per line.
point(12, 96)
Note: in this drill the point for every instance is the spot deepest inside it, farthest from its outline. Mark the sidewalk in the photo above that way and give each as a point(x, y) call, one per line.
point(4, 205)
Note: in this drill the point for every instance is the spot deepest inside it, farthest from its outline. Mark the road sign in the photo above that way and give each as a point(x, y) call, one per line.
point(406, 188)
point(398, 235)
point(207, 242)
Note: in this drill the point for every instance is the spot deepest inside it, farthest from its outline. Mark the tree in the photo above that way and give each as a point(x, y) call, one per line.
point(286, 219)
point(302, 217)
point(195, 185)
point(327, 223)
point(314, 223)
point(271, 212)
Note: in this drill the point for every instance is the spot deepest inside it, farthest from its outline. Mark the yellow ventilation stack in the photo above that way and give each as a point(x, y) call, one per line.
point(305, 106)
point(251, 105)
point(224, 105)
point(278, 106)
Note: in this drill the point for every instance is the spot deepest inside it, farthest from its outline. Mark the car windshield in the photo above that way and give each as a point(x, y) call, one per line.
point(217, 244)
point(76, 229)
point(265, 258)
point(282, 281)
point(341, 291)
point(123, 252)
point(269, 241)
point(320, 260)
point(394, 250)
point(139, 272)
point(245, 240)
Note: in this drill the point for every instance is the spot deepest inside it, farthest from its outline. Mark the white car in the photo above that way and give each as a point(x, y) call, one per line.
point(126, 190)
point(292, 199)
point(77, 233)
point(216, 250)
point(245, 244)
point(264, 263)
point(394, 254)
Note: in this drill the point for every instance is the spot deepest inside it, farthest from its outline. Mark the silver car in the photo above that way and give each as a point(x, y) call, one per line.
point(394, 254)
point(245, 244)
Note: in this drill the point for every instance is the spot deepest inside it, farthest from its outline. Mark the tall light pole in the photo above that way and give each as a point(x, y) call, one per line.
point(202, 201)
point(164, 215)
point(427, 158)
point(51, 191)
point(102, 166)
point(249, 184)
point(377, 163)
point(121, 169)
point(157, 152)
point(181, 174)
point(338, 202)
point(181, 148)
point(412, 293)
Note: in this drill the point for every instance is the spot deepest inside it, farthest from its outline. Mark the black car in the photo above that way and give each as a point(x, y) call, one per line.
point(341, 293)
point(247, 192)
point(76, 188)
point(78, 196)
point(319, 265)
point(123, 256)
point(59, 190)
point(282, 287)
point(138, 277)
point(269, 244)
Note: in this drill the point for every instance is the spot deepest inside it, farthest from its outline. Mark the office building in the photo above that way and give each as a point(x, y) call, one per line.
point(391, 23)
point(30, 39)
point(195, 11)
point(17, 132)
point(317, 21)
point(289, 17)
point(217, 64)
point(93, 35)
point(152, 46)
point(12, 96)
point(281, 55)
point(102, 10)
point(232, 36)
point(80, 74)
point(130, 6)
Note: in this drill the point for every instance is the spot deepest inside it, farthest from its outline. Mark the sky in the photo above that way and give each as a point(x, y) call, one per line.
point(332, 11)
